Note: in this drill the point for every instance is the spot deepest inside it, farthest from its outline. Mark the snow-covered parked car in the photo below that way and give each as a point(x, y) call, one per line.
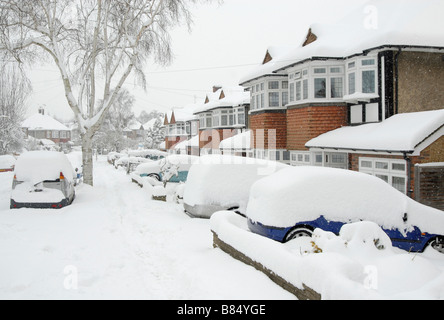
point(173, 168)
point(7, 163)
point(296, 201)
point(223, 183)
point(42, 179)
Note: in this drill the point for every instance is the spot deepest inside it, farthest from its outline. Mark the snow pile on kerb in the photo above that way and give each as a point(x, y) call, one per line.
point(38, 166)
point(305, 193)
point(225, 180)
point(348, 266)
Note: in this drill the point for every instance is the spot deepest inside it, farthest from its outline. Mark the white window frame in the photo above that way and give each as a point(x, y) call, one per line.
point(388, 172)
point(358, 66)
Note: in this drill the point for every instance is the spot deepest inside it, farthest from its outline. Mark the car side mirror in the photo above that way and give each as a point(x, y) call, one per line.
point(405, 217)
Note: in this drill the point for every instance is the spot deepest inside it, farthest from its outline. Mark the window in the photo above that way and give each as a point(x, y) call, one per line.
point(273, 99)
point(336, 88)
point(319, 70)
point(55, 134)
point(209, 122)
point(284, 98)
point(368, 81)
point(292, 92)
point(320, 87)
point(305, 89)
point(351, 83)
point(392, 171)
point(63, 134)
point(300, 158)
point(298, 90)
point(284, 84)
point(216, 117)
point(273, 85)
point(368, 62)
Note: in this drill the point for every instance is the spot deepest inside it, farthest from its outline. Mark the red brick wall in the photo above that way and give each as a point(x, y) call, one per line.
point(213, 137)
point(170, 142)
point(306, 123)
point(269, 130)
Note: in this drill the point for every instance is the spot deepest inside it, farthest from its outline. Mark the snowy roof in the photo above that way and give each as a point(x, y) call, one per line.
point(400, 133)
point(182, 114)
point(150, 124)
point(237, 142)
point(232, 96)
point(377, 23)
point(43, 122)
point(267, 68)
point(134, 125)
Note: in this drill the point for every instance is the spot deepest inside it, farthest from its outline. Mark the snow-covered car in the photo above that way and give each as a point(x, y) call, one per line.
point(296, 201)
point(223, 183)
point(42, 179)
point(174, 168)
point(148, 154)
point(7, 163)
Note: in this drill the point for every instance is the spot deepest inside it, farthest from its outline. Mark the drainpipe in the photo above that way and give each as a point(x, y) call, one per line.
point(409, 175)
point(397, 80)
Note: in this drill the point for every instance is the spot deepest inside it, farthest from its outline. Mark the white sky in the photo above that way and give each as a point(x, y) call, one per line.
point(225, 42)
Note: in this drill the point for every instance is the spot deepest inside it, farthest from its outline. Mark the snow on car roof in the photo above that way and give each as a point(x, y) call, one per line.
point(225, 180)
point(6, 161)
point(37, 166)
point(299, 194)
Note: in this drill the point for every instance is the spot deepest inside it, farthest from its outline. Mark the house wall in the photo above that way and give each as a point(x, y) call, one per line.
point(269, 130)
point(421, 79)
point(170, 142)
point(307, 122)
point(433, 153)
point(211, 138)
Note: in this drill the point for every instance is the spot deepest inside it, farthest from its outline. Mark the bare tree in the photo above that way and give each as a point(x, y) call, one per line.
point(95, 44)
point(14, 89)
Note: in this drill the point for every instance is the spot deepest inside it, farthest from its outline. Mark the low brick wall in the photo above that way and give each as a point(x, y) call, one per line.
point(302, 294)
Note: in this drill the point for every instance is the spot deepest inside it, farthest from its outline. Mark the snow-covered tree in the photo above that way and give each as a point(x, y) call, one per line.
point(154, 136)
point(14, 89)
point(95, 44)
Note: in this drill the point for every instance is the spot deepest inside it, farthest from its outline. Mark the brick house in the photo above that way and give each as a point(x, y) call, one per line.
point(180, 127)
point(44, 127)
point(223, 115)
point(354, 75)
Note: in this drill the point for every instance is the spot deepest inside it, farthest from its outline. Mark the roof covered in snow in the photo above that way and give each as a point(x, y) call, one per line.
point(225, 97)
point(241, 141)
point(43, 122)
point(400, 133)
point(378, 23)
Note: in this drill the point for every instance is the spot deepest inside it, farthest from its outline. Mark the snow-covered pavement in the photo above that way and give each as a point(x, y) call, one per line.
point(115, 243)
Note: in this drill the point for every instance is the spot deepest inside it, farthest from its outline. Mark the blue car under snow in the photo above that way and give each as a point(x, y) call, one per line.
point(296, 201)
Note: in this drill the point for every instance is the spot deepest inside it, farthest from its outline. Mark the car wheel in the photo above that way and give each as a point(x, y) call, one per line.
point(155, 176)
point(438, 244)
point(297, 233)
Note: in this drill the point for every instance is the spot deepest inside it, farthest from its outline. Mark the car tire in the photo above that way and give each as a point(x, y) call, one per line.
point(155, 176)
point(297, 233)
point(438, 244)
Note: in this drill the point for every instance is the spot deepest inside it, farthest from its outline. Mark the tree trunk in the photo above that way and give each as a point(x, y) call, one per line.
point(87, 160)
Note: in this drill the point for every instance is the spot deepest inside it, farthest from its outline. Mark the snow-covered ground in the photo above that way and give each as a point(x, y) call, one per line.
point(113, 242)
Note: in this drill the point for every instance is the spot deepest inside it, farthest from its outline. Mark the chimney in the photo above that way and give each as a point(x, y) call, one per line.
point(42, 111)
point(215, 88)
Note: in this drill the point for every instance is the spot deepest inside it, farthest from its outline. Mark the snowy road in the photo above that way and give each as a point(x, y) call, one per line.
point(114, 243)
